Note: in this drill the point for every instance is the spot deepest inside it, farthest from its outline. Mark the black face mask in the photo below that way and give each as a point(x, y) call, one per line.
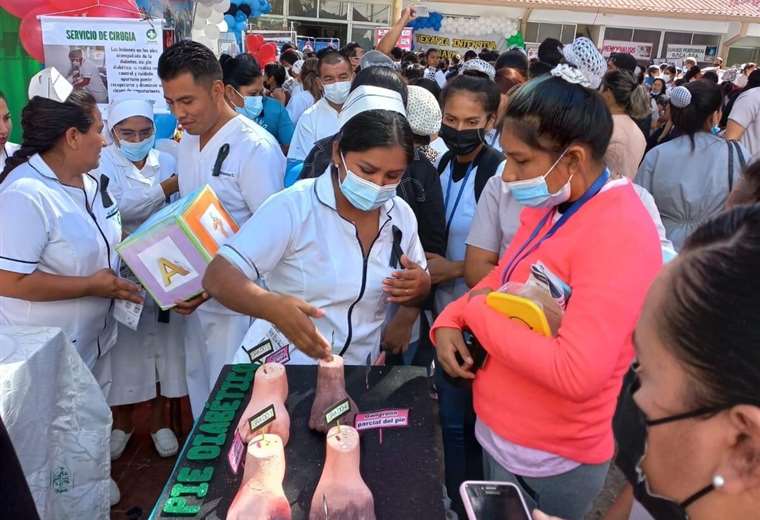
point(660, 507)
point(462, 142)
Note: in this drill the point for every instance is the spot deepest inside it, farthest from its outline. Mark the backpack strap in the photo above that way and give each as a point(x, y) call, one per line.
point(444, 162)
point(488, 162)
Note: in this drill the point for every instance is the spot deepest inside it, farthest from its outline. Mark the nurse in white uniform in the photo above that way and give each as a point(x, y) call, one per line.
point(6, 126)
point(149, 361)
point(335, 250)
point(59, 227)
point(321, 120)
point(243, 164)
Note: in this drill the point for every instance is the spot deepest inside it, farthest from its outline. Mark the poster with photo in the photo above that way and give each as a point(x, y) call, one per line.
point(106, 56)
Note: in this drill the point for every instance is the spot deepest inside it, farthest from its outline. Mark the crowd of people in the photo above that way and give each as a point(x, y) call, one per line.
point(382, 196)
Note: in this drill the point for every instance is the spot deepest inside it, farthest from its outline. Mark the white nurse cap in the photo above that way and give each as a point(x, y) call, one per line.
point(50, 84)
point(125, 107)
point(368, 97)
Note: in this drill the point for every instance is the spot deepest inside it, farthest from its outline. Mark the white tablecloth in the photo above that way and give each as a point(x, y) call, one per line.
point(58, 420)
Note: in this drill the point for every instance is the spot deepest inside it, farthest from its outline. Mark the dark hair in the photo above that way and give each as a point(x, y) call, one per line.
point(44, 122)
point(507, 78)
point(514, 59)
point(538, 69)
point(413, 71)
point(550, 52)
point(428, 84)
point(240, 71)
point(692, 73)
point(551, 109)
point(290, 56)
point(470, 55)
point(711, 75)
point(330, 56)
point(381, 77)
point(376, 128)
point(664, 85)
point(192, 57)
point(397, 53)
point(672, 70)
point(430, 51)
point(705, 99)
point(286, 46)
point(747, 190)
point(712, 291)
point(653, 68)
point(309, 77)
point(628, 94)
point(483, 89)
point(753, 80)
point(409, 58)
point(276, 72)
point(489, 56)
point(625, 61)
point(349, 50)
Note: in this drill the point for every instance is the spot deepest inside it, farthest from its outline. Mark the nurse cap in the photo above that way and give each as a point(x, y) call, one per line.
point(368, 97)
point(584, 55)
point(479, 65)
point(297, 66)
point(126, 107)
point(423, 112)
point(50, 84)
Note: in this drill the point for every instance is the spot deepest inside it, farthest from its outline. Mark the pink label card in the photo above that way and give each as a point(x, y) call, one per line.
point(235, 455)
point(398, 418)
point(281, 356)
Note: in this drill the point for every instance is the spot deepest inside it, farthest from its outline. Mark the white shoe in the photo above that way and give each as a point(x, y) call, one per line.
point(119, 440)
point(165, 442)
point(115, 495)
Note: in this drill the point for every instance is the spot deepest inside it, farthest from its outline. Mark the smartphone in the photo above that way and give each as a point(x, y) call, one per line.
point(493, 501)
point(421, 11)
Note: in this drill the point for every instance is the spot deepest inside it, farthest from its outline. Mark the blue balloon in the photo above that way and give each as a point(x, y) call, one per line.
point(235, 2)
point(230, 20)
point(240, 16)
point(244, 2)
point(165, 125)
point(242, 26)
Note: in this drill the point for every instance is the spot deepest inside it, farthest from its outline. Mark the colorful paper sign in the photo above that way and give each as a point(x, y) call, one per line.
point(405, 41)
point(450, 44)
point(639, 50)
point(396, 418)
point(681, 52)
point(235, 455)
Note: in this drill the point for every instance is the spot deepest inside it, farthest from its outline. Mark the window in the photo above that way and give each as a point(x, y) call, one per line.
point(741, 55)
point(333, 9)
point(377, 13)
point(711, 40)
point(277, 6)
point(304, 8)
point(618, 34)
point(364, 36)
point(266, 23)
point(644, 36)
point(538, 32)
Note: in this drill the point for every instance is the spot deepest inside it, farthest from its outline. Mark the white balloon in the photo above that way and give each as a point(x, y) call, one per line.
point(222, 26)
point(215, 17)
point(211, 32)
point(202, 11)
point(222, 5)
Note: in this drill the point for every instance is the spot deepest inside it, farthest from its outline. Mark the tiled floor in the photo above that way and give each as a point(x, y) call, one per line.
point(140, 472)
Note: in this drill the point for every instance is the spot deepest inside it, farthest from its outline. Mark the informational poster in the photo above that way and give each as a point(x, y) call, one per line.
point(532, 50)
point(106, 56)
point(404, 42)
point(449, 44)
point(639, 50)
point(681, 52)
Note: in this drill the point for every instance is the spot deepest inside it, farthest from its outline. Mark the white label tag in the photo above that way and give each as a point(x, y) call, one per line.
point(128, 313)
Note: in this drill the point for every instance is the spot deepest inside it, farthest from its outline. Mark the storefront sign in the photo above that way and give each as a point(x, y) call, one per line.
point(639, 50)
point(404, 42)
point(681, 52)
point(106, 56)
point(449, 44)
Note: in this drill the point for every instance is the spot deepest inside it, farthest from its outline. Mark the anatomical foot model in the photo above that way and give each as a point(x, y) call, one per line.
point(261, 496)
point(331, 389)
point(270, 387)
point(341, 493)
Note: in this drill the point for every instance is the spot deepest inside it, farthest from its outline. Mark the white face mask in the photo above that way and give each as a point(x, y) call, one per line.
point(337, 92)
point(666, 77)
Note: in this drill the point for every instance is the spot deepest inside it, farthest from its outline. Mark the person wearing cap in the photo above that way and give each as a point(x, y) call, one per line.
point(86, 75)
point(243, 164)
point(141, 180)
point(321, 120)
point(59, 226)
point(689, 62)
point(376, 59)
point(6, 127)
point(334, 250)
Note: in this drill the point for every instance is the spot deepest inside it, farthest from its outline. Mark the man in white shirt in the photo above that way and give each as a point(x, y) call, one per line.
point(242, 163)
point(321, 120)
point(84, 74)
point(431, 72)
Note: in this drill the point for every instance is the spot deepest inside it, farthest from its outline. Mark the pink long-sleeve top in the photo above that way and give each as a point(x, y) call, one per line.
point(558, 394)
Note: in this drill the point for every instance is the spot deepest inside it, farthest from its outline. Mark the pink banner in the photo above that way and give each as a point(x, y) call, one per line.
point(404, 42)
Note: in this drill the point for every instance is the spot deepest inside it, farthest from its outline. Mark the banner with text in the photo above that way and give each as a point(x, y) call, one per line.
point(681, 52)
point(106, 56)
point(639, 50)
point(450, 44)
point(404, 41)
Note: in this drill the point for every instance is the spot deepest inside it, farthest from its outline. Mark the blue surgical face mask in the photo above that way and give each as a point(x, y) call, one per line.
point(534, 193)
point(363, 194)
point(136, 152)
point(715, 130)
point(252, 106)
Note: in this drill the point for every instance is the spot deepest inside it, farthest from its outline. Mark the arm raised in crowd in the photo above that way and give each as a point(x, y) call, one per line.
point(388, 42)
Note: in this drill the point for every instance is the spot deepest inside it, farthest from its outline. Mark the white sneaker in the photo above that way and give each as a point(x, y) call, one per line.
point(165, 442)
point(119, 440)
point(115, 494)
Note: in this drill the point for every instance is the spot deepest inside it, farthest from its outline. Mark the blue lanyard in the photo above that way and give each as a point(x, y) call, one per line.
point(522, 252)
point(459, 195)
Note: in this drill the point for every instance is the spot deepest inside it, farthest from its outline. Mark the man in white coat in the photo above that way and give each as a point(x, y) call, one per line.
point(243, 164)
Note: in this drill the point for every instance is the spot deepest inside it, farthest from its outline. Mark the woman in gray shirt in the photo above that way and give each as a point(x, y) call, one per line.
point(691, 176)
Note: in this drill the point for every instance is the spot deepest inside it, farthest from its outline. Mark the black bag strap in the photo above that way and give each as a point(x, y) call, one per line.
point(733, 145)
point(487, 162)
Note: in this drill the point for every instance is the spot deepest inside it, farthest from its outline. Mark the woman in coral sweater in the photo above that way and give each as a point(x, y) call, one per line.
point(544, 404)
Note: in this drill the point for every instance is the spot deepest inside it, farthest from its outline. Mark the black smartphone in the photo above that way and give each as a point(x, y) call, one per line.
point(493, 501)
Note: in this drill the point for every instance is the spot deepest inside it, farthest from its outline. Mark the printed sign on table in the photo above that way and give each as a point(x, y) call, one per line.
point(106, 56)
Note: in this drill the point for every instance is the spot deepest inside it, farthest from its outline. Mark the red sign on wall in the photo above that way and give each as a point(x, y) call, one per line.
point(404, 42)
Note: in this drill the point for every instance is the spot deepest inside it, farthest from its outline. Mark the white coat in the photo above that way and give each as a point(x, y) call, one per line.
point(5, 152)
point(253, 170)
point(317, 122)
point(62, 230)
point(302, 247)
point(155, 351)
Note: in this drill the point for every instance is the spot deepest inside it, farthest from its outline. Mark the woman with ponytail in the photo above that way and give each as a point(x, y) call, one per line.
point(627, 101)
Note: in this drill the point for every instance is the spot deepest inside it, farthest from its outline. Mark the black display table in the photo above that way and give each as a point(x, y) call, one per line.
point(405, 472)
